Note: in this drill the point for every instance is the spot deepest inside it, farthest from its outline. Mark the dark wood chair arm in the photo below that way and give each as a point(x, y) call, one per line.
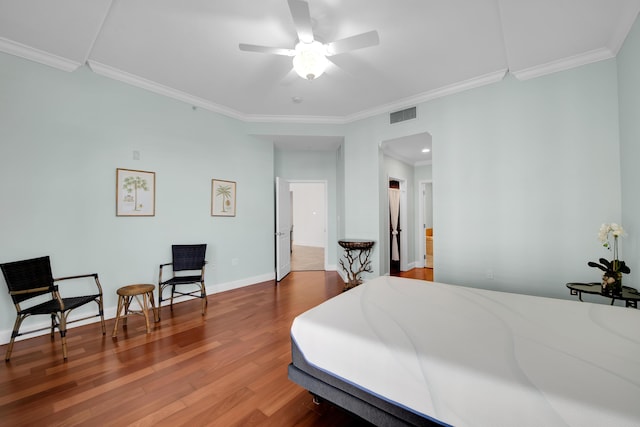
point(30, 291)
point(160, 273)
point(82, 276)
point(95, 275)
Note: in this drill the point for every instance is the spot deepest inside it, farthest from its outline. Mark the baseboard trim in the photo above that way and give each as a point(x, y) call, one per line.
point(110, 312)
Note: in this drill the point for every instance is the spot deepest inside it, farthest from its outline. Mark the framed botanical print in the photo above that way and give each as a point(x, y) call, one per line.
point(223, 198)
point(135, 193)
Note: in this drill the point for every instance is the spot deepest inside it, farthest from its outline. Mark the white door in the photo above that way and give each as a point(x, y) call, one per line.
point(283, 229)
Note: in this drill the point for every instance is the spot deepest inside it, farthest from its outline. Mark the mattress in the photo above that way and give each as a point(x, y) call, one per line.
point(473, 357)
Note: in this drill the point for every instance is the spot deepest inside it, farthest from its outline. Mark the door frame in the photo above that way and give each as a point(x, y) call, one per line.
point(421, 226)
point(281, 273)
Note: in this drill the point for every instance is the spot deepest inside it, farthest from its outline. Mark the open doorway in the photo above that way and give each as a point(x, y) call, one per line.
point(425, 215)
point(407, 159)
point(309, 225)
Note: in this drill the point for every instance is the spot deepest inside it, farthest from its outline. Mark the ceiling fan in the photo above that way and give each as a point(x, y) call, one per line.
point(309, 55)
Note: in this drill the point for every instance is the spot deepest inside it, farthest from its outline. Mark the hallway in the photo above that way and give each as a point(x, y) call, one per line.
point(416, 273)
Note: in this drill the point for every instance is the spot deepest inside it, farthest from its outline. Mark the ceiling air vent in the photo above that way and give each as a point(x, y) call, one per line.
point(402, 115)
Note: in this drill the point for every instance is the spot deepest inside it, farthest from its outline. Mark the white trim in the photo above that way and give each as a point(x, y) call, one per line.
point(322, 120)
point(424, 163)
point(430, 95)
point(123, 76)
point(241, 283)
point(37, 55)
point(110, 312)
point(422, 245)
point(563, 64)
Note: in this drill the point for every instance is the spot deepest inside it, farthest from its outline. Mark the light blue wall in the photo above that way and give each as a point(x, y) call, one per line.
point(423, 173)
point(524, 173)
point(313, 165)
point(362, 173)
point(629, 90)
point(62, 136)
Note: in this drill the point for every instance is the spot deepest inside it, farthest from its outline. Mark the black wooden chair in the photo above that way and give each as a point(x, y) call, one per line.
point(187, 260)
point(29, 279)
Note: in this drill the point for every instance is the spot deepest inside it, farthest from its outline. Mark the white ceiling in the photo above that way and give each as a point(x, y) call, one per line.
point(408, 149)
point(188, 49)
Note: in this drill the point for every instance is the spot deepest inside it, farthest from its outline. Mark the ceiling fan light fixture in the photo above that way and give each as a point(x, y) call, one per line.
point(310, 60)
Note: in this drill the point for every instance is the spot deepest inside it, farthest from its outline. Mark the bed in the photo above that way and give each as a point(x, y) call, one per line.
point(400, 351)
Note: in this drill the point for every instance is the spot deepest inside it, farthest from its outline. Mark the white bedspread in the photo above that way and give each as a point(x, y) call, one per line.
point(472, 357)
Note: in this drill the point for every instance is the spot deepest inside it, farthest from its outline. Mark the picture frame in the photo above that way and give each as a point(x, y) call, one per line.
point(135, 192)
point(223, 198)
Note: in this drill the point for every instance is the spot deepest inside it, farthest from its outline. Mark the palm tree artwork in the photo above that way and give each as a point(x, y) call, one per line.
point(224, 191)
point(133, 184)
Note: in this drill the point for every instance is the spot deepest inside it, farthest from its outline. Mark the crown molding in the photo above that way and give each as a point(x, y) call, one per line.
point(406, 161)
point(563, 64)
point(37, 55)
point(123, 76)
point(383, 109)
point(322, 120)
point(423, 163)
point(411, 101)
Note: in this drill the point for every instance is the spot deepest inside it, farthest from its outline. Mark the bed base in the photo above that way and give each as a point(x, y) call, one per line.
point(350, 398)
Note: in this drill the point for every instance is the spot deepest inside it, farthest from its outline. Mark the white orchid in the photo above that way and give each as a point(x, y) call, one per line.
point(613, 270)
point(614, 229)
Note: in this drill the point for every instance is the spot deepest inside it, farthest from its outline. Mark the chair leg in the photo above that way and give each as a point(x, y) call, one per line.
point(160, 289)
point(173, 289)
point(101, 310)
point(203, 295)
point(63, 334)
point(53, 326)
point(14, 334)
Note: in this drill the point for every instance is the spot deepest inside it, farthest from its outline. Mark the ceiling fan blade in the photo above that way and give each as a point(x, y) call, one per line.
point(352, 43)
point(302, 20)
point(266, 49)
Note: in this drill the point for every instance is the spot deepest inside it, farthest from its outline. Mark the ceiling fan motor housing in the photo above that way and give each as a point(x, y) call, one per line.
point(310, 60)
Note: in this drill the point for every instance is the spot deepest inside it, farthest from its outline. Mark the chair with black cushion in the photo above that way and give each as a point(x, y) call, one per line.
point(188, 269)
point(30, 282)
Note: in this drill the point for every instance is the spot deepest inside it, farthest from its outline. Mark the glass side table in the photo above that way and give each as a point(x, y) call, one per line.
point(629, 295)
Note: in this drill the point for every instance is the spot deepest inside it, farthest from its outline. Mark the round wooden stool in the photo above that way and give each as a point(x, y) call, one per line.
point(125, 295)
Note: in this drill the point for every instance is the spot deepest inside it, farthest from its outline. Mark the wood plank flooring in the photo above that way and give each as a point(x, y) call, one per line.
point(228, 368)
point(417, 273)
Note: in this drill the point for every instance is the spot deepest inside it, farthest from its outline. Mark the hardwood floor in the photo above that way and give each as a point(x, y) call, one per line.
point(417, 273)
point(227, 368)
